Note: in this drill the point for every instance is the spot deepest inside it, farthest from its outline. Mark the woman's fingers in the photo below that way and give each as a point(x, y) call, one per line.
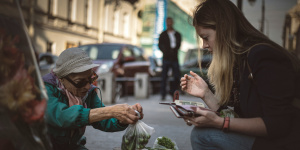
point(139, 108)
point(201, 112)
point(194, 75)
point(128, 119)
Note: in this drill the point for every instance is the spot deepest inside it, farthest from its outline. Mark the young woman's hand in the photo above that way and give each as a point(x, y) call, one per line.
point(206, 119)
point(194, 85)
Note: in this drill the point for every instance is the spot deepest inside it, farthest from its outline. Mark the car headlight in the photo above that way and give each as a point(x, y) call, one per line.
point(105, 67)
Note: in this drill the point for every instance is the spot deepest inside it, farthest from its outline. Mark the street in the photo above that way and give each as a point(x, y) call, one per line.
point(156, 115)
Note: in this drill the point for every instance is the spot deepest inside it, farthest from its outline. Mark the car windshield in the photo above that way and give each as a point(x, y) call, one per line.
point(100, 52)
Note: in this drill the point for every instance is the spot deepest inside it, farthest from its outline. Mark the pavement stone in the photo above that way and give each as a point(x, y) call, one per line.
point(156, 115)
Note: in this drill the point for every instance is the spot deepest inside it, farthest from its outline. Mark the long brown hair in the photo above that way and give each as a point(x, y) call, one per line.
point(234, 36)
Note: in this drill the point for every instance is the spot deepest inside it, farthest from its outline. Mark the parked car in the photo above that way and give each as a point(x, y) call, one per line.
point(123, 60)
point(155, 66)
point(191, 62)
point(46, 62)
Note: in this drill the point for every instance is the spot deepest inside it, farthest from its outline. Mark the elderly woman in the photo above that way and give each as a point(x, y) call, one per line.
point(73, 103)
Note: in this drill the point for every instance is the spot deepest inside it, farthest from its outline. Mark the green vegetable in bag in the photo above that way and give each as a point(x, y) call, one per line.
point(136, 136)
point(166, 142)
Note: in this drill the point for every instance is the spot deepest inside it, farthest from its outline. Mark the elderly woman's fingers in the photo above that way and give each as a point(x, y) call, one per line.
point(128, 119)
point(139, 110)
point(128, 114)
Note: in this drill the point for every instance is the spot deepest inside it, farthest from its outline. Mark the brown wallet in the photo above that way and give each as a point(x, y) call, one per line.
point(187, 110)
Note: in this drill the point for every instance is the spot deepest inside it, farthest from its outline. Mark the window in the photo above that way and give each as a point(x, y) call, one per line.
point(70, 45)
point(126, 25)
point(86, 7)
point(138, 54)
point(69, 15)
point(127, 52)
point(52, 8)
point(49, 47)
point(116, 22)
point(106, 18)
point(101, 52)
point(89, 13)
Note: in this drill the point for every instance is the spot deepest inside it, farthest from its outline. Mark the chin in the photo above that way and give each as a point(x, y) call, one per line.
point(82, 94)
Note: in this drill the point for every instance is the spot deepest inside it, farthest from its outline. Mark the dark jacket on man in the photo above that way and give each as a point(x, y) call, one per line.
point(170, 54)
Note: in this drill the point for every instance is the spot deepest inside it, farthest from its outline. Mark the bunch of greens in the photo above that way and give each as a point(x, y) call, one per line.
point(166, 142)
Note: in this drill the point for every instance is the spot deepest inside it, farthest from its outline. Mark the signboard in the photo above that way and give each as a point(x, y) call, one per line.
point(160, 25)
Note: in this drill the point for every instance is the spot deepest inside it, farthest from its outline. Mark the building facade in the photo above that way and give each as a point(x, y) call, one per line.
point(55, 25)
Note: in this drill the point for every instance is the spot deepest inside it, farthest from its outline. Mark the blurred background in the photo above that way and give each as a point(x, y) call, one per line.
point(132, 28)
point(122, 37)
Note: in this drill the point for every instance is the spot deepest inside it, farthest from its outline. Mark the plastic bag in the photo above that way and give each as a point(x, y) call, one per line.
point(228, 113)
point(136, 136)
point(158, 146)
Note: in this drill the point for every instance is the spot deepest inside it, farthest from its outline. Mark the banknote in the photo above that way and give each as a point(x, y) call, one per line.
point(183, 102)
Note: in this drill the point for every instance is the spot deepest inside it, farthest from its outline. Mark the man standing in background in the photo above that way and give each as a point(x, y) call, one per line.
point(169, 43)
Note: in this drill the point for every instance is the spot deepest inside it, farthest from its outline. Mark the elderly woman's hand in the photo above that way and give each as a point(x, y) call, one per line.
point(138, 108)
point(125, 113)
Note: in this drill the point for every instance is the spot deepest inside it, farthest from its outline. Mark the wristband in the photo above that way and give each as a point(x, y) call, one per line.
point(226, 124)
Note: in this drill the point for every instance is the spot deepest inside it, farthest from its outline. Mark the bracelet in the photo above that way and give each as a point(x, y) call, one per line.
point(226, 124)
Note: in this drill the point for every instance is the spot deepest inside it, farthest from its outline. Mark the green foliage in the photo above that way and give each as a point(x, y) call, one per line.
point(166, 142)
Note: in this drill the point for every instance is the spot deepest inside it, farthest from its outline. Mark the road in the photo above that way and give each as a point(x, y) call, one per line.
point(156, 115)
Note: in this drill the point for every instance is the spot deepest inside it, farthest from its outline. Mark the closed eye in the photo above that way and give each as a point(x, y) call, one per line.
point(205, 38)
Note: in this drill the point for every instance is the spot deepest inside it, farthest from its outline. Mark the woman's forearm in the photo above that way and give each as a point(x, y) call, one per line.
point(249, 126)
point(98, 114)
point(211, 101)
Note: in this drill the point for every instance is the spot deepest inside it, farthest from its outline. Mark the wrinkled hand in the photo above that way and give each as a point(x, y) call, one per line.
point(194, 85)
point(125, 113)
point(206, 119)
point(139, 108)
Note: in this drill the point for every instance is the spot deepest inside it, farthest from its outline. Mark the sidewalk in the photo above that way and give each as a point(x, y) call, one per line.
point(157, 116)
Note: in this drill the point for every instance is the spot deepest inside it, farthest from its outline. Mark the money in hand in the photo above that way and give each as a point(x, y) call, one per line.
point(182, 102)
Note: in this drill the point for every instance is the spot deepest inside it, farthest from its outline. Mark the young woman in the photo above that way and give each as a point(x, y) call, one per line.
point(250, 73)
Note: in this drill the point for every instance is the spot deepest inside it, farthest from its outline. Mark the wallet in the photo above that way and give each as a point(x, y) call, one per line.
point(186, 110)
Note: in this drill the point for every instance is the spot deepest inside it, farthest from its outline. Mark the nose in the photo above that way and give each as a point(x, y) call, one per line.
point(205, 45)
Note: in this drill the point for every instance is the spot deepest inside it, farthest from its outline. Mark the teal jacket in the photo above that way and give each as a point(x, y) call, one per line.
point(66, 125)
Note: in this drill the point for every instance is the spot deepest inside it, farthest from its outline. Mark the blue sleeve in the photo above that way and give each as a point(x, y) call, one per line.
point(59, 114)
point(108, 125)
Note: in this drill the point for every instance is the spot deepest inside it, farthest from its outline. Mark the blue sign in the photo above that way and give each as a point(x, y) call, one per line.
point(160, 23)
